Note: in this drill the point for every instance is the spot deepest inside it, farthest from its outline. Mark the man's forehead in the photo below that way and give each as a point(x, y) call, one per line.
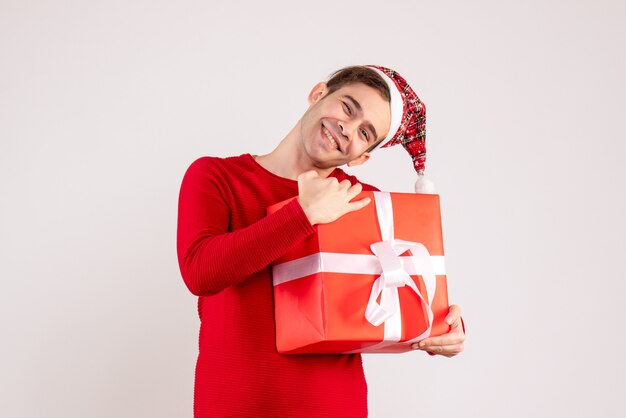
point(362, 90)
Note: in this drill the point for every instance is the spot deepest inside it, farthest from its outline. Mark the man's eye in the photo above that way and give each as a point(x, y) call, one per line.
point(346, 108)
point(364, 133)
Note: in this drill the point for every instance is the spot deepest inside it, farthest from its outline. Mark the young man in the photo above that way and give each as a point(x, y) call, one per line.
point(226, 244)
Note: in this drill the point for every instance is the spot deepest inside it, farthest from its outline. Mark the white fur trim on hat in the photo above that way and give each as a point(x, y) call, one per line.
point(396, 104)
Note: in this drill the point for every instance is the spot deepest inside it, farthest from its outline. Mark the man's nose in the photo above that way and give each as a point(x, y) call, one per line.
point(347, 130)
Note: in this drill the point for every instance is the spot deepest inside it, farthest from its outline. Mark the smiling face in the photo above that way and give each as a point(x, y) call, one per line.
point(339, 127)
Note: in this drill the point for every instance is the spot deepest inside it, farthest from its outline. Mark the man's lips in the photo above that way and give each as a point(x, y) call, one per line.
point(332, 139)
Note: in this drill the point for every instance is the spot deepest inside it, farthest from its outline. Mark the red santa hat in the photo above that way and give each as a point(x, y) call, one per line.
point(408, 124)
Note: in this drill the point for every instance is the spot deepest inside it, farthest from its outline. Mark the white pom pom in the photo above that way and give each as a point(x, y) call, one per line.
point(424, 186)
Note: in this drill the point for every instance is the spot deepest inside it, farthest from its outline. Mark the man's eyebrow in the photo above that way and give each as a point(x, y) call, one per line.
point(358, 107)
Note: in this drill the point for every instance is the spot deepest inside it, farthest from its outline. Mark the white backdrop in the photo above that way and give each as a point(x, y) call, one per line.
point(103, 105)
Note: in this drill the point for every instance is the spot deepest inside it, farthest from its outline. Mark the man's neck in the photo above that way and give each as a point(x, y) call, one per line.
point(288, 159)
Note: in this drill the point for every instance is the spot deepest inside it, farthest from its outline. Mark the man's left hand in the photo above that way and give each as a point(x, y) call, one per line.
point(449, 344)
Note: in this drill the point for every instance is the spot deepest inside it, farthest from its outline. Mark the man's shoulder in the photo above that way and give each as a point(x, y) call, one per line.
point(217, 170)
point(211, 161)
point(211, 164)
point(342, 175)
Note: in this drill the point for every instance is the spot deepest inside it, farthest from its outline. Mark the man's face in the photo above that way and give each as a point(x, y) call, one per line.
point(338, 128)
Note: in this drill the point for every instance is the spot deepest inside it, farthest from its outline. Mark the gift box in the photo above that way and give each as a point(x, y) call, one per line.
point(372, 281)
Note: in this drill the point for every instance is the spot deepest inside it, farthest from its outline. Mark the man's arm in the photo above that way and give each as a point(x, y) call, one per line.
point(211, 258)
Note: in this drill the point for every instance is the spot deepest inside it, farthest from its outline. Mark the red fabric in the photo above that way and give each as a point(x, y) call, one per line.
point(412, 130)
point(225, 245)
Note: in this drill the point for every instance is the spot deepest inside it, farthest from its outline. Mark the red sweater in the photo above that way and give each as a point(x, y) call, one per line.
point(225, 246)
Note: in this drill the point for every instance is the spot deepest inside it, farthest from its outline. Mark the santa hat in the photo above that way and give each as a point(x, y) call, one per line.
point(408, 124)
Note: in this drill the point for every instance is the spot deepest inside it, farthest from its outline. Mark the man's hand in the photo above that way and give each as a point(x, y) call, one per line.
point(326, 199)
point(449, 344)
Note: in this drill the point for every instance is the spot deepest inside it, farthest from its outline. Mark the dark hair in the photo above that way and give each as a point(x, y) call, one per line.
point(358, 74)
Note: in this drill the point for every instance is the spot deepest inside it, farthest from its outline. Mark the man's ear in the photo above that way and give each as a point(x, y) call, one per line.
point(359, 160)
point(318, 91)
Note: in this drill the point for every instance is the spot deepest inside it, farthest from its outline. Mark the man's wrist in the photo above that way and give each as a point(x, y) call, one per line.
point(307, 212)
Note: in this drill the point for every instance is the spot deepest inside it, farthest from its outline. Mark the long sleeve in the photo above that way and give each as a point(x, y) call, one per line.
point(225, 245)
point(211, 256)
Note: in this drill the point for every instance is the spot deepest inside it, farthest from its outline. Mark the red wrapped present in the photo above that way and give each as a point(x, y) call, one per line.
point(372, 281)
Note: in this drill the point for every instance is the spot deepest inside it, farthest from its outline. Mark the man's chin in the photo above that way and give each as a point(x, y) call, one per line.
point(326, 164)
point(326, 159)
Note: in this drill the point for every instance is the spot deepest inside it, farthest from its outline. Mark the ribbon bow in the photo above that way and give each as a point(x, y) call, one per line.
point(394, 275)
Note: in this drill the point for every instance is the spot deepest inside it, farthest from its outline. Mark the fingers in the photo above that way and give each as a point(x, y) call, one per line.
point(440, 347)
point(454, 314)
point(446, 350)
point(323, 200)
point(351, 191)
point(354, 190)
point(449, 344)
point(453, 337)
point(359, 204)
point(344, 184)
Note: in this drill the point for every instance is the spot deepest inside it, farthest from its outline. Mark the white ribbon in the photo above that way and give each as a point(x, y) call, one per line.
point(394, 276)
point(345, 263)
point(395, 271)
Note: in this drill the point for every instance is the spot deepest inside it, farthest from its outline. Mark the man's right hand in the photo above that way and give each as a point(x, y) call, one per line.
point(326, 199)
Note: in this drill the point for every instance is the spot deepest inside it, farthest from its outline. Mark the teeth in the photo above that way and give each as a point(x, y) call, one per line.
point(330, 137)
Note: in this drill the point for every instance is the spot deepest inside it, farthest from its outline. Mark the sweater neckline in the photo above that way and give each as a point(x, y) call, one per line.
point(253, 161)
